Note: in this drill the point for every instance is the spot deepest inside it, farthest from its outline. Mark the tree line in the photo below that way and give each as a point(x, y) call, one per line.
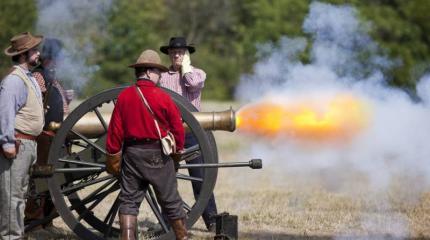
point(226, 34)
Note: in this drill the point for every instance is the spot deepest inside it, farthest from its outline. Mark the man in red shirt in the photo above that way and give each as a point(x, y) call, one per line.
point(132, 133)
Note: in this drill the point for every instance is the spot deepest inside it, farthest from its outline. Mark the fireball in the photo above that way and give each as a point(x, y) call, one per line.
point(337, 118)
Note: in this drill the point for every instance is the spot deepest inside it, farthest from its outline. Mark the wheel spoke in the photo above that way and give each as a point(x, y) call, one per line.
point(191, 149)
point(96, 194)
point(112, 211)
point(153, 204)
point(100, 117)
point(186, 177)
point(79, 144)
point(81, 162)
point(191, 153)
point(111, 216)
point(186, 207)
point(77, 203)
point(77, 187)
point(93, 205)
point(86, 169)
point(152, 195)
point(100, 149)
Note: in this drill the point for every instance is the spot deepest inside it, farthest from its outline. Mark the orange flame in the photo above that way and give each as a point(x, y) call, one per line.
point(338, 118)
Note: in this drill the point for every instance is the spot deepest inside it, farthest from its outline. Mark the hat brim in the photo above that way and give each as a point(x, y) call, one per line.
point(151, 65)
point(165, 49)
point(36, 41)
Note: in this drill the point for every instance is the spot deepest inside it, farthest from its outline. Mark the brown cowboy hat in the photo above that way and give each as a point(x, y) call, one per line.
point(22, 43)
point(149, 58)
point(177, 42)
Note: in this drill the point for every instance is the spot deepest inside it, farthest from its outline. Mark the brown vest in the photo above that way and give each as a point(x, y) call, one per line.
point(30, 118)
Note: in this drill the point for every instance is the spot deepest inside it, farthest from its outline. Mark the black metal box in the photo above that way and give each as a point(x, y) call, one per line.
point(226, 226)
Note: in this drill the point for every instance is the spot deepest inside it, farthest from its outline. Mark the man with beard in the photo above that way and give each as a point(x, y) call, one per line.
point(56, 106)
point(21, 121)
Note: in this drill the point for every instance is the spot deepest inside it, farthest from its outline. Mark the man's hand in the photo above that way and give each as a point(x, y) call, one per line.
point(186, 64)
point(177, 157)
point(9, 153)
point(113, 163)
point(70, 95)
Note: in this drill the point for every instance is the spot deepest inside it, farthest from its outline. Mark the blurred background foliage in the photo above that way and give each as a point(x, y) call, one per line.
point(226, 34)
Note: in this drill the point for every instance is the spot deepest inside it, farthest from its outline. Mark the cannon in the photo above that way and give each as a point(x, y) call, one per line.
point(86, 196)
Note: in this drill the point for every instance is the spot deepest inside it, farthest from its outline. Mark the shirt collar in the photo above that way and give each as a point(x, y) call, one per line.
point(26, 71)
point(145, 83)
point(172, 70)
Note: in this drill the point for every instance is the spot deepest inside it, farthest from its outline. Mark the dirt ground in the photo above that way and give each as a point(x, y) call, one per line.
point(271, 204)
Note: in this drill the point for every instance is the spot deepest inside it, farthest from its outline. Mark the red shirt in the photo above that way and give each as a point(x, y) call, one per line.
point(132, 120)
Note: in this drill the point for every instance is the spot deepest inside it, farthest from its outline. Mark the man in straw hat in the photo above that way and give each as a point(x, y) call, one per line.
point(188, 81)
point(21, 121)
point(132, 134)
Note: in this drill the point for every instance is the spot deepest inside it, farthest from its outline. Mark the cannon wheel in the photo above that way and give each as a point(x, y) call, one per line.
point(78, 171)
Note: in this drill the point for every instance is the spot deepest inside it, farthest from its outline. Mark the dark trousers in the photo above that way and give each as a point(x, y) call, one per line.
point(39, 206)
point(143, 165)
point(211, 209)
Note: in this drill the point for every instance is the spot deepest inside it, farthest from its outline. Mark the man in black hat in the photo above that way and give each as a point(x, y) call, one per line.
point(56, 106)
point(21, 121)
point(188, 81)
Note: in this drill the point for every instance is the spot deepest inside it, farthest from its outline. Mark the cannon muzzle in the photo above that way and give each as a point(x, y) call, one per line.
point(91, 124)
point(225, 120)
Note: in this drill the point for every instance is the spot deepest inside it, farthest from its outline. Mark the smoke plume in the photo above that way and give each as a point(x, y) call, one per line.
point(76, 24)
point(343, 58)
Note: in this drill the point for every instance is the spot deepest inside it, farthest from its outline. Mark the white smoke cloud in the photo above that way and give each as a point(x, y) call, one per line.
point(423, 89)
point(343, 58)
point(75, 23)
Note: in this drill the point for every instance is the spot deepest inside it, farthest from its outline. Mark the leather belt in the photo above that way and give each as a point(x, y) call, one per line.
point(48, 133)
point(145, 141)
point(25, 136)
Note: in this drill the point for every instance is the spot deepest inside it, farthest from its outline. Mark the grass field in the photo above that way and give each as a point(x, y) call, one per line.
point(274, 203)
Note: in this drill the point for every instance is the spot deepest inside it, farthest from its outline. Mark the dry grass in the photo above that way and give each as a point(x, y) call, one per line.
point(273, 205)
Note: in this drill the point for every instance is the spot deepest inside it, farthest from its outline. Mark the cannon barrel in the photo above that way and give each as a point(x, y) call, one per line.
point(91, 125)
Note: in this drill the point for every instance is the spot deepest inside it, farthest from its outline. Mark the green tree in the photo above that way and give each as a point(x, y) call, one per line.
point(402, 29)
point(16, 17)
point(133, 26)
point(227, 33)
point(209, 25)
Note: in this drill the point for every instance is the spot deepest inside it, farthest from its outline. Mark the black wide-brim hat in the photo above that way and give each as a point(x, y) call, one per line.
point(177, 42)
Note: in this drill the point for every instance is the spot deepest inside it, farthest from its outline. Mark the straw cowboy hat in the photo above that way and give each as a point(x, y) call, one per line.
point(149, 58)
point(22, 43)
point(177, 42)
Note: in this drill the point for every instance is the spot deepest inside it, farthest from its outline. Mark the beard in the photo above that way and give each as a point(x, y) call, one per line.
point(34, 63)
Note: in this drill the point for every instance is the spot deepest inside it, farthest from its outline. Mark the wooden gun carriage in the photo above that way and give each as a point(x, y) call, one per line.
point(86, 196)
